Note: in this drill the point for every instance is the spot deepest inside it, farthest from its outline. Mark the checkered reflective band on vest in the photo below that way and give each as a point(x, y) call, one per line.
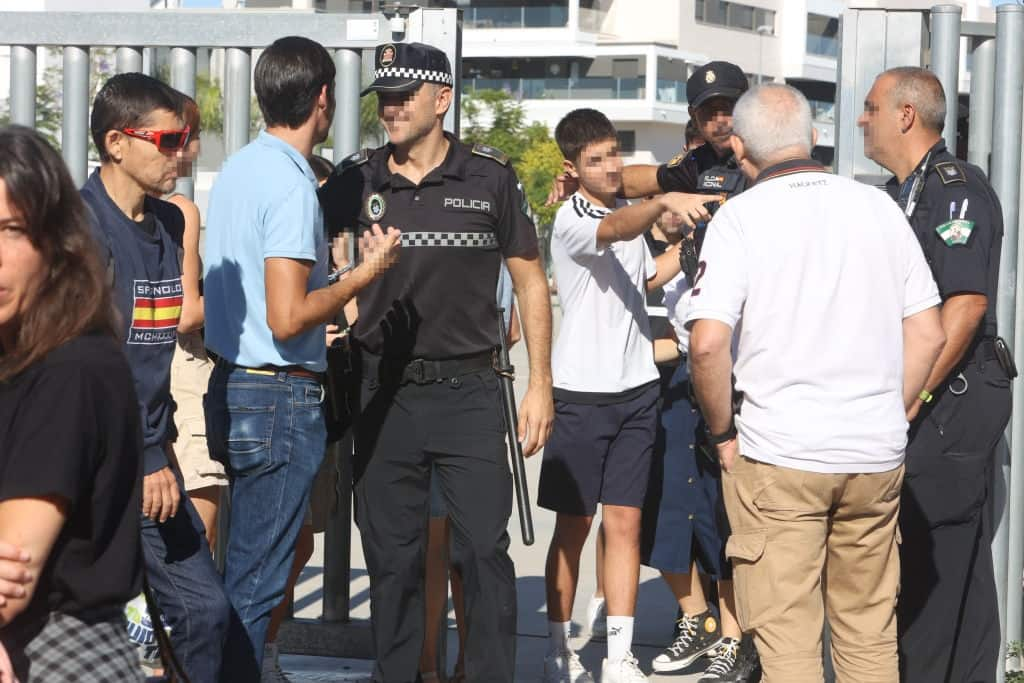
point(478, 240)
point(418, 74)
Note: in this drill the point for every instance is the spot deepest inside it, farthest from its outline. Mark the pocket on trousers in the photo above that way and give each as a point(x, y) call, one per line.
point(751, 577)
point(249, 439)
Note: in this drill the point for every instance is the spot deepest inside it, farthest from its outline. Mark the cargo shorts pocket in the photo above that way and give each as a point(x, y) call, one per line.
point(751, 577)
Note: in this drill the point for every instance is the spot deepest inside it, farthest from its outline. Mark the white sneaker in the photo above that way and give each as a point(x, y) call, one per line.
point(597, 618)
point(272, 672)
point(565, 667)
point(627, 670)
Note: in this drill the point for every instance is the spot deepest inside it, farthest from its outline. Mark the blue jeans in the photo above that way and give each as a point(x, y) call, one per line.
point(188, 589)
point(269, 432)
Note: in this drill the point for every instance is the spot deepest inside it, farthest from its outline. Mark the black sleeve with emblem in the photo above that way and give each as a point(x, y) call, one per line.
point(341, 197)
point(679, 174)
point(515, 230)
point(964, 231)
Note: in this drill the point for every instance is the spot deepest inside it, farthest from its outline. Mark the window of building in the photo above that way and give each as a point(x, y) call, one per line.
point(672, 75)
point(627, 141)
point(822, 35)
point(735, 15)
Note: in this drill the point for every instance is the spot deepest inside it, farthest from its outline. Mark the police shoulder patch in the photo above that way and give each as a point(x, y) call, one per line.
point(956, 231)
point(492, 153)
point(950, 173)
point(352, 160)
point(675, 161)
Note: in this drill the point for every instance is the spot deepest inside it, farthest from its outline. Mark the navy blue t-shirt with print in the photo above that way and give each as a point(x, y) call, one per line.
point(143, 259)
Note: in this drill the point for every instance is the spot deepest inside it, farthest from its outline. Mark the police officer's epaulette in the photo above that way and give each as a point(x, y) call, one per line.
point(492, 153)
point(352, 160)
point(950, 173)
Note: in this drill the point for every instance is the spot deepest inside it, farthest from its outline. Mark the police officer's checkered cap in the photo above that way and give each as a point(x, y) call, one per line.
point(418, 74)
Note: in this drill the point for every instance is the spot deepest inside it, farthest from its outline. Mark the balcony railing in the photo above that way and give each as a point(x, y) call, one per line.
point(671, 91)
point(824, 46)
point(586, 88)
point(543, 16)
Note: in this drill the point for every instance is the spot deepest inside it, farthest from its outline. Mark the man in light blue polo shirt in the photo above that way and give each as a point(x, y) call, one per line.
point(267, 301)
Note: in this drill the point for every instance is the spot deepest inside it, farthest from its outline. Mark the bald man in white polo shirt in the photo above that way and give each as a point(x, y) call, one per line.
point(837, 326)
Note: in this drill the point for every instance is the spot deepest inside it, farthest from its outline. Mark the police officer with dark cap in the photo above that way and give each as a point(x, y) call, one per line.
point(947, 613)
point(425, 340)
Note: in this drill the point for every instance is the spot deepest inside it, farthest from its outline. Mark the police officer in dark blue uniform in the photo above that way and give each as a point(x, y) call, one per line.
point(947, 612)
point(425, 340)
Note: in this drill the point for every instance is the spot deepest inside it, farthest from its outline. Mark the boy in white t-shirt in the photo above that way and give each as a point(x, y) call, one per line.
point(605, 387)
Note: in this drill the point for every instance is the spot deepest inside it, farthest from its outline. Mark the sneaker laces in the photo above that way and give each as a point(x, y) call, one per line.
point(725, 659)
point(573, 663)
point(687, 632)
point(632, 665)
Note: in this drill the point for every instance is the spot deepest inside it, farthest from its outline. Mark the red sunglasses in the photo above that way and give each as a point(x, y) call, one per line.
point(165, 140)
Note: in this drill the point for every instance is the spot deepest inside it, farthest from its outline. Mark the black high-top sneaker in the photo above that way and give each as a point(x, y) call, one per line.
point(696, 636)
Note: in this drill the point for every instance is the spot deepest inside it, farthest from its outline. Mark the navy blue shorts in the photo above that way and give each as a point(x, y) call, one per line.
point(599, 454)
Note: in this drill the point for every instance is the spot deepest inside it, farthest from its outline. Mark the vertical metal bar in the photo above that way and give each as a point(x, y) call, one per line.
point(945, 25)
point(1006, 163)
point(983, 83)
point(346, 94)
point(442, 28)
point(23, 85)
point(338, 534)
point(128, 60)
point(75, 125)
point(183, 78)
point(148, 58)
point(236, 99)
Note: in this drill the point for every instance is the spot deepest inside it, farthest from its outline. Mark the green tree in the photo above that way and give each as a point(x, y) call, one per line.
point(541, 162)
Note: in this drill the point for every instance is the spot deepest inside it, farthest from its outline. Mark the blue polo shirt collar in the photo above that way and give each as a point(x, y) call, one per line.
point(274, 142)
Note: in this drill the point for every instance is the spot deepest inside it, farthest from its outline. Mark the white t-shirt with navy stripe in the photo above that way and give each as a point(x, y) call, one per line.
point(604, 344)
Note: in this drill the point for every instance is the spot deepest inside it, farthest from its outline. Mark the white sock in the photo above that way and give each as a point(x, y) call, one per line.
point(620, 637)
point(593, 608)
point(558, 637)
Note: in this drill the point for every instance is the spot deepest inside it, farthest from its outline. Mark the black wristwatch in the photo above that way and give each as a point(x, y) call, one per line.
point(718, 439)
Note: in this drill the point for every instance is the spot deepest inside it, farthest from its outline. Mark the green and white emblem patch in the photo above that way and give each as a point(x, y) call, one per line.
point(956, 231)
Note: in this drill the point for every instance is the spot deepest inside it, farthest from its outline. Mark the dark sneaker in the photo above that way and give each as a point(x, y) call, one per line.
point(696, 636)
point(735, 661)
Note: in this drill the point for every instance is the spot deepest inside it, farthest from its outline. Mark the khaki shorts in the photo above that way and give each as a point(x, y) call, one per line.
point(190, 374)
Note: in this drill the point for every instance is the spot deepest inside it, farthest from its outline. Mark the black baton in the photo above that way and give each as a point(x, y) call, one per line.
point(506, 375)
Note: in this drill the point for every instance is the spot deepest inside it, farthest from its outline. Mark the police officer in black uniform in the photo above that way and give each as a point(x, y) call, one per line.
point(947, 611)
point(425, 340)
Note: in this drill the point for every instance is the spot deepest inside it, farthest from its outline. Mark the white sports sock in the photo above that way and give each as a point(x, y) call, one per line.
point(593, 607)
point(620, 637)
point(558, 637)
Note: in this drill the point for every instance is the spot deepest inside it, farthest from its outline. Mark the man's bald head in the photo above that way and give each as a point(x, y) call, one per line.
point(773, 121)
point(921, 89)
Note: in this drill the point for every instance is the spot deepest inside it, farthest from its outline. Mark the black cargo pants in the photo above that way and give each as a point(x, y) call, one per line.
point(947, 611)
point(457, 426)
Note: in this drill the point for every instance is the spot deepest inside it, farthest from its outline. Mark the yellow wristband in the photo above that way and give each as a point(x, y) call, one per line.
point(925, 396)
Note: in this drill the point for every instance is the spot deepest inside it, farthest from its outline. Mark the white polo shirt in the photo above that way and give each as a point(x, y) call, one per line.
point(821, 271)
point(604, 344)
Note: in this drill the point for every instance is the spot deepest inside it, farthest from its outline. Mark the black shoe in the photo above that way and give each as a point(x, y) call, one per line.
point(695, 636)
point(736, 661)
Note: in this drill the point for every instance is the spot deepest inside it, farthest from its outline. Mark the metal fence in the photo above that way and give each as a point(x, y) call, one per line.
point(133, 36)
point(879, 37)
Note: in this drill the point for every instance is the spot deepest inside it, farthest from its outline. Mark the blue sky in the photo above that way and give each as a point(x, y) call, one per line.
point(201, 3)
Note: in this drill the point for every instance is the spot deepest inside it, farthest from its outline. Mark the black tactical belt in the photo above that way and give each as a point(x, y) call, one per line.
point(423, 371)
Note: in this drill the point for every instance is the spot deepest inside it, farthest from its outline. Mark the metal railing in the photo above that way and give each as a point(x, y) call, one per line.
point(239, 33)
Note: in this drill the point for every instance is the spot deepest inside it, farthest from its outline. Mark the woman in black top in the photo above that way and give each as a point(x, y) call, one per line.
point(70, 438)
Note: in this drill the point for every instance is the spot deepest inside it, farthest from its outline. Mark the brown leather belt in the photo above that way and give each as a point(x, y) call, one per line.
point(290, 370)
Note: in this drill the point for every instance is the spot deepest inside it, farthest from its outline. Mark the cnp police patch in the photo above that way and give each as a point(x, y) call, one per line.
point(375, 206)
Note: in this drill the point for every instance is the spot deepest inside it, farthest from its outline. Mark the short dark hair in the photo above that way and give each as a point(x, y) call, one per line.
point(582, 127)
point(289, 76)
point(322, 168)
point(74, 298)
point(128, 101)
